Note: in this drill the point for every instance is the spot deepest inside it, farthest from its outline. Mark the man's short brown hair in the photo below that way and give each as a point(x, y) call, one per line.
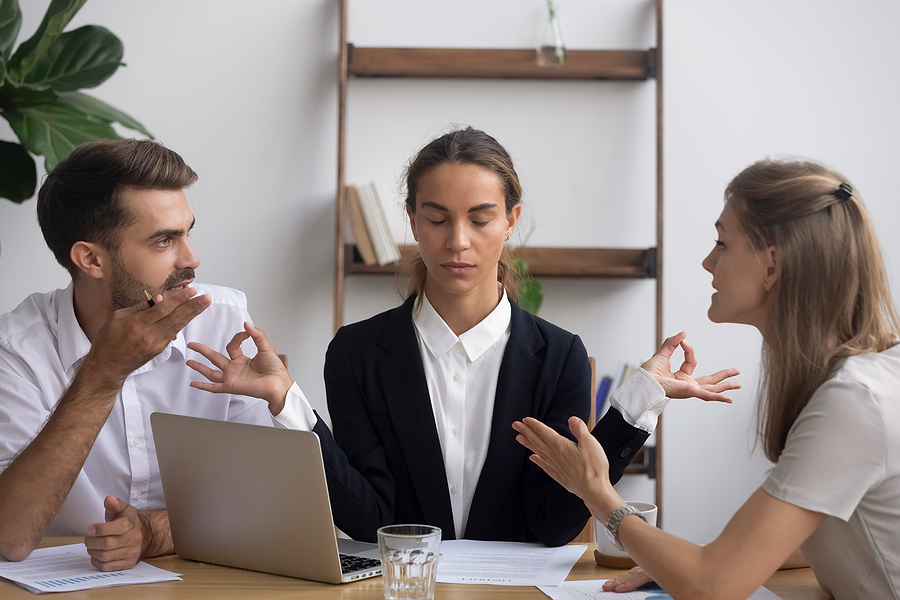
point(81, 198)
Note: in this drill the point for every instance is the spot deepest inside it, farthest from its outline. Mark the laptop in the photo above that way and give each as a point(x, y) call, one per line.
point(253, 497)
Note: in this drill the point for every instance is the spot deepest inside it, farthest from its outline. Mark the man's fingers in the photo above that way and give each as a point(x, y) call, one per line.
point(110, 528)
point(163, 305)
point(103, 543)
point(113, 564)
point(172, 319)
point(113, 507)
point(212, 374)
point(214, 388)
point(219, 360)
point(206, 352)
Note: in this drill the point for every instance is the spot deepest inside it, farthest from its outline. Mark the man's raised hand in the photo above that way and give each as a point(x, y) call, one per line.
point(134, 335)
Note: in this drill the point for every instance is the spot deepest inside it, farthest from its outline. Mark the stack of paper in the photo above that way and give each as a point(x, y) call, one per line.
point(593, 590)
point(505, 563)
point(69, 568)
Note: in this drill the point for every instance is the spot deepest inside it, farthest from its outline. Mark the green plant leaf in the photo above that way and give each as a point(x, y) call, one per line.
point(53, 130)
point(58, 15)
point(530, 296)
point(10, 23)
point(102, 111)
point(18, 175)
point(530, 293)
point(83, 58)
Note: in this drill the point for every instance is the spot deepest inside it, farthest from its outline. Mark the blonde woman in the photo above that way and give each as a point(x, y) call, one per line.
point(798, 259)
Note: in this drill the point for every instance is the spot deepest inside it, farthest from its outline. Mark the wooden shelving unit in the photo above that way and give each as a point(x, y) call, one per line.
point(487, 63)
point(481, 63)
point(619, 263)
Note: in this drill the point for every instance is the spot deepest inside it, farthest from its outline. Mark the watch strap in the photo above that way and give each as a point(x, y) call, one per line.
point(615, 519)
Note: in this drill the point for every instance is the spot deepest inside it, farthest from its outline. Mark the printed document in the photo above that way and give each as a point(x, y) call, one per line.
point(505, 563)
point(69, 568)
point(593, 590)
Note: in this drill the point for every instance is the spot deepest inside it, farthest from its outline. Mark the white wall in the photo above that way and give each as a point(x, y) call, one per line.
point(246, 93)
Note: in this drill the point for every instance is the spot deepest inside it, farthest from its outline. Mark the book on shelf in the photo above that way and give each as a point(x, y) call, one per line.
point(623, 374)
point(383, 243)
point(359, 228)
point(602, 393)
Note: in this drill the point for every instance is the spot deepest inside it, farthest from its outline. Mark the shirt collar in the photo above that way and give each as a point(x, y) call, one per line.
point(74, 344)
point(440, 339)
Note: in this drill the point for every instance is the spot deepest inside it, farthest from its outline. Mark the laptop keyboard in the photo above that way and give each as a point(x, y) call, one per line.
point(350, 563)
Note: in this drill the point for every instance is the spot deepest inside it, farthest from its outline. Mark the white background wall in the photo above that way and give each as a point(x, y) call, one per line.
point(246, 93)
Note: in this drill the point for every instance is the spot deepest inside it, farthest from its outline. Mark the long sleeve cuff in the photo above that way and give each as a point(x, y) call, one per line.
point(297, 413)
point(640, 400)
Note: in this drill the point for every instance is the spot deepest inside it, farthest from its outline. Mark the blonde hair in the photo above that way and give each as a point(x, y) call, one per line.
point(466, 147)
point(832, 299)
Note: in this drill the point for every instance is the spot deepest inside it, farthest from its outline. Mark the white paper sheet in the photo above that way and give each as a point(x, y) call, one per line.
point(593, 590)
point(505, 563)
point(69, 568)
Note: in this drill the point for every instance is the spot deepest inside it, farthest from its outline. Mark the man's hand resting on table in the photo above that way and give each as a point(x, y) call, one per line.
point(121, 541)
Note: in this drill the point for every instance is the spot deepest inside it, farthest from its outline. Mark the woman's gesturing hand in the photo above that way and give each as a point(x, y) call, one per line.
point(681, 384)
point(581, 468)
point(263, 376)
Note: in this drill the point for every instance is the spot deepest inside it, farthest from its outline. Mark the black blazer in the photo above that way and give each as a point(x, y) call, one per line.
point(384, 463)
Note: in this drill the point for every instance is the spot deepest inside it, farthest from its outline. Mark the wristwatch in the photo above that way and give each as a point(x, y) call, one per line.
point(612, 525)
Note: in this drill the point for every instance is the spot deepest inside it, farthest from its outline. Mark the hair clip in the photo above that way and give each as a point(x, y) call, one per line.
point(844, 192)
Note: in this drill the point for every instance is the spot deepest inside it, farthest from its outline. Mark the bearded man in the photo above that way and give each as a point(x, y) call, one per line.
point(82, 368)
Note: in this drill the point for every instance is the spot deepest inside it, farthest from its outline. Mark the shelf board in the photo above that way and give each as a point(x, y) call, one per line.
point(547, 262)
point(479, 63)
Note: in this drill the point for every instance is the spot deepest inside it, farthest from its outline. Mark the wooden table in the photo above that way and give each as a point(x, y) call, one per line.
point(203, 581)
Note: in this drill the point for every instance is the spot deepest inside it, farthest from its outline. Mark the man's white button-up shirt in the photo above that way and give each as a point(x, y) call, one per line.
point(42, 346)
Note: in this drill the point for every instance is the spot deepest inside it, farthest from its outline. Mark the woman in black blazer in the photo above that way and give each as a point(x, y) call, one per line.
point(388, 390)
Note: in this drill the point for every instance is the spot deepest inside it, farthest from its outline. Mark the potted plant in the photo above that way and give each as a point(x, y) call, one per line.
point(39, 96)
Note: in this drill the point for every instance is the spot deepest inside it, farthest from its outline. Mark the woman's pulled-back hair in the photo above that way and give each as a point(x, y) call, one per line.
point(832, 298)
point(463, 147)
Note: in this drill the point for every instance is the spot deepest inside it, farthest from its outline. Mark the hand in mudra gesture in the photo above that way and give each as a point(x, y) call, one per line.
point(263, 376)
point(681, 383)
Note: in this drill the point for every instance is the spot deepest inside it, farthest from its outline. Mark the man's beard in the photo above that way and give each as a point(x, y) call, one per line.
point(127, 290)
